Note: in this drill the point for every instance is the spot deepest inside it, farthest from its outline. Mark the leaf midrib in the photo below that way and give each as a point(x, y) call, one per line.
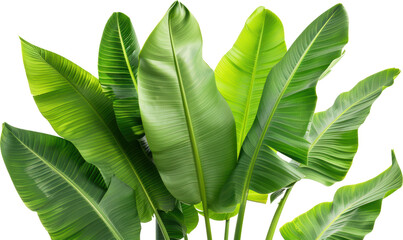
point(77, 188)
point(126, 157)
point(124, 53)
point(249, 97)
point(262, 136)
point(195, 150)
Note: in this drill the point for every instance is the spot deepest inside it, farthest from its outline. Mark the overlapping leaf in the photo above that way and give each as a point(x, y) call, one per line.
point(72, 101)
point(117, 66)
point(68, 194)
point(352, 213)
point(179, 222)
point(334, 132)
point(287, 105)
point(189, 126)
point(270, 174)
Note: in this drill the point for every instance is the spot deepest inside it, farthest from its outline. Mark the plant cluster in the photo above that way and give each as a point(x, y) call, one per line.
point(160, 134)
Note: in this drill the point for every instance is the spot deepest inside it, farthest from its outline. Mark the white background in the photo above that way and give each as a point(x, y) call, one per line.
point(74, 28)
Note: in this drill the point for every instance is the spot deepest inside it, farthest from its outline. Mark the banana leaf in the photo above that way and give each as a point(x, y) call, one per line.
point(334, 132)
point(68, 194)
point(72, 100)
point(352, 213)
point(189, 126)
point(117, 67)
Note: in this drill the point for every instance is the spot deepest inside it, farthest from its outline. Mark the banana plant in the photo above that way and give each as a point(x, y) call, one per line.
point(161, 134)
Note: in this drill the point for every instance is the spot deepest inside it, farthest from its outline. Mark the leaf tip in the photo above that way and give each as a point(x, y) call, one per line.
point(25, 44)
point(393, 156)
point(338, 7)
point(395, 74)
point(177, 9)
point(6, 126)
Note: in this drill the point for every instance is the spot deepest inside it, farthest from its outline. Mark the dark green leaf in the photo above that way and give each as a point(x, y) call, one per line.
point(68, 194)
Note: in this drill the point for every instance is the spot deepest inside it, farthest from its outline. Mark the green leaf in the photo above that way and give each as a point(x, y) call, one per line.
point(189, 126)
point(68, 194)
point(174, 223)
point(190, 216)
point(72, 101)
point(180, 221)
point(352, 213)
point(257, 197)
point(286, 108)
point(117, 67)
point(242, 72)
point(334, 132)
point(216, 215)
point(289, 96)
point(276, 194)
point(270, 174)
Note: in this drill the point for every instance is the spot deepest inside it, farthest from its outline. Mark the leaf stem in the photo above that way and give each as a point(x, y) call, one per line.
point(226, 229)
point(160, 228)
point(241, 214)
point(208, 227)
point(277, 214)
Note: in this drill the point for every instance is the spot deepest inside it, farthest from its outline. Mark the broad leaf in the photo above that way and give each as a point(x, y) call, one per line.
point(72, 101)
point(242, 72)
point(189, 126)
point(117, 67)
point(68, 194)
point(352, 213)
point(287, 105)
point(334, 132)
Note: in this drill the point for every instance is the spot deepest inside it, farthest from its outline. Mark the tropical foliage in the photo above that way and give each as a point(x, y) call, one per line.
point(161, 134)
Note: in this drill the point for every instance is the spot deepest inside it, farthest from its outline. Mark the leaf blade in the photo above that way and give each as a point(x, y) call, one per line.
point(288, 101)
point(53, 179)
point(241, 73)
point(334, 132)
point(352, 213)
point(72, 101)
point(175, 80)
point(117, 67)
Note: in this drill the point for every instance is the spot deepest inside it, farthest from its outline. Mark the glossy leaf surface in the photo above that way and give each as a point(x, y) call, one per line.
point(334, 132)
point(68, 194)
point(72, 101)
point(189, 126)
point(352, 213)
